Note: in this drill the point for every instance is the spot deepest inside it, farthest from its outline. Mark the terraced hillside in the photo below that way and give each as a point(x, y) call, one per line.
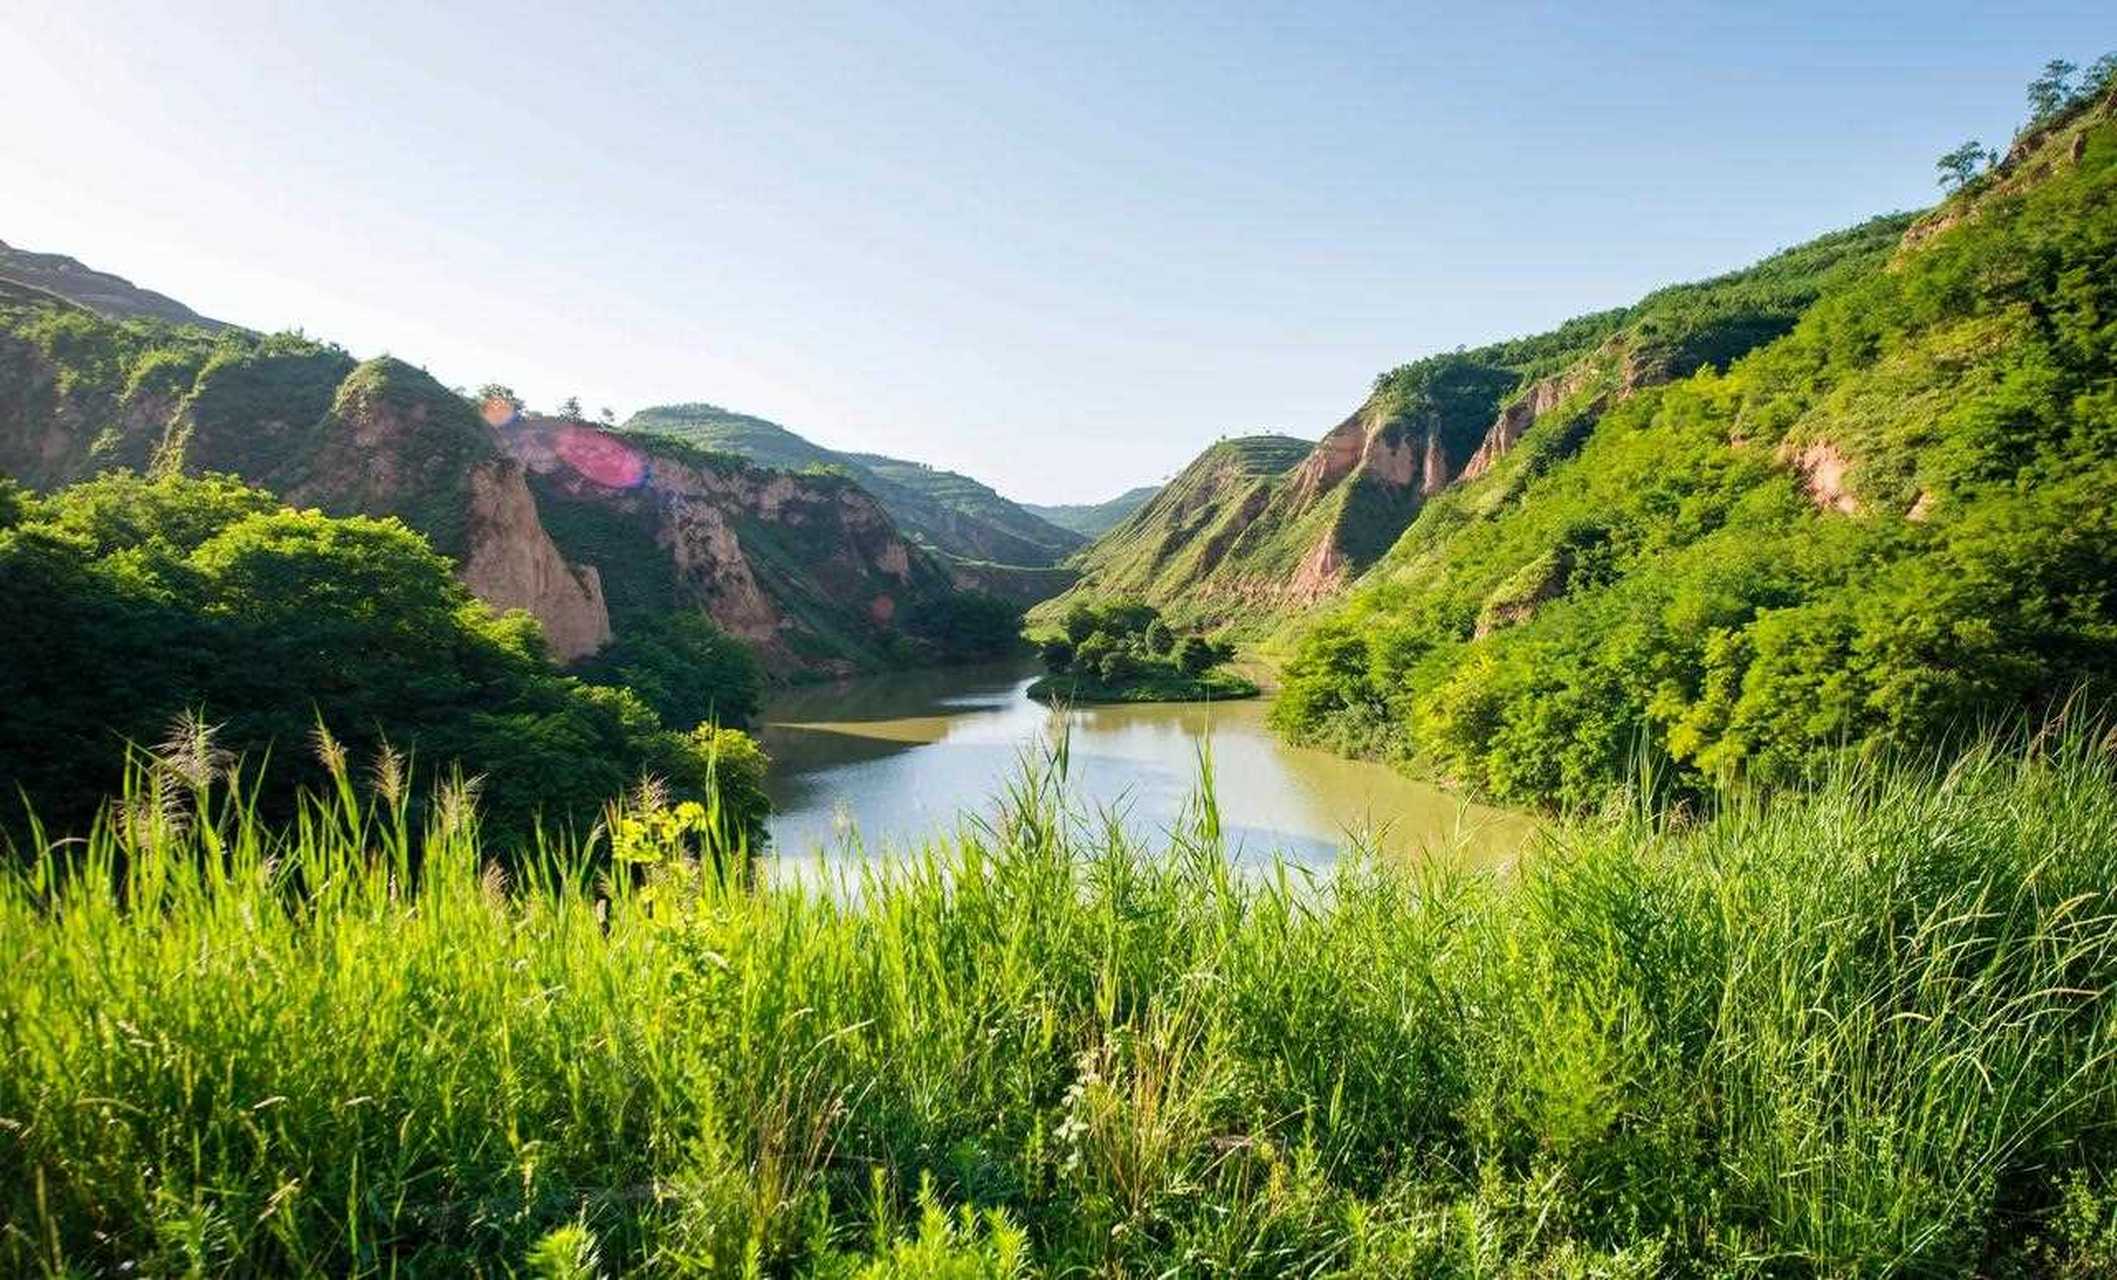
point(109, 296)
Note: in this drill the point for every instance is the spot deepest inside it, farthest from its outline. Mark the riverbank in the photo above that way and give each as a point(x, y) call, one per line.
point(877, 766)
point(1156, 686)
point(1867, 1031)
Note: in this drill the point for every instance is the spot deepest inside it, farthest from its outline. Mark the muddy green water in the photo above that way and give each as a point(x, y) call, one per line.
point(878, 765)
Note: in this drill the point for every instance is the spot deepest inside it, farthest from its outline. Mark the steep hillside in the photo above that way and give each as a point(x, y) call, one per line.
point(1889, 522)
point(1283, 546)
point(950, 513)
point(109, 296)
point(1182, 534)
point(1093, 519)
point(806, 567)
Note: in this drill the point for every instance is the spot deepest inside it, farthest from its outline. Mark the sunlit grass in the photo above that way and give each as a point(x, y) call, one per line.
point(1861, 1032)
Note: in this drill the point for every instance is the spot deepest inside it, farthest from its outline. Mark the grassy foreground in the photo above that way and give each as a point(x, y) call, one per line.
point(1862, 1033)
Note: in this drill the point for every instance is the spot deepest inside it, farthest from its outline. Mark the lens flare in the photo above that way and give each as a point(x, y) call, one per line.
point(498, 411)
point(603, 459)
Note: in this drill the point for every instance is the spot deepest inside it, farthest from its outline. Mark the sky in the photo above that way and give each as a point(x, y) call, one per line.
point(1061, 248)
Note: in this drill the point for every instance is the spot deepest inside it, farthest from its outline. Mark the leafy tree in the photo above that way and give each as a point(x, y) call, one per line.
point(2051, 92)
point(1196, 655)
point(1088, 655)
point(680, 664)
point(1158, 638)
point(570, 409)
point(493, 392)
point(1116, 666)
point(1964, 165)
point(1080, 622)
point(145, 599)
point(967, 626)
point(1057, 654)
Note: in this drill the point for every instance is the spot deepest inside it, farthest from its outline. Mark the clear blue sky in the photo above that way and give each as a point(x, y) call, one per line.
point(1059, 248)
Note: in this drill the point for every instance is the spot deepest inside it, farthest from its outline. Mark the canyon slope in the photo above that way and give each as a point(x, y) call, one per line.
point(1230, 545)
point(948, 512)
point(1889, 522)
point(808, 568)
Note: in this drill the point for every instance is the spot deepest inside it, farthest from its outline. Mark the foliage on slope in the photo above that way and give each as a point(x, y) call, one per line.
point(137, 602)
point(1865, 1032)
point(1271, 550)
point(80, 394)
point(1883, 526)
point(1177, 537)
point(949, 512)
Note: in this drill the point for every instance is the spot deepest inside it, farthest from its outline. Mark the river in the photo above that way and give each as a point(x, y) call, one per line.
point(878, 765)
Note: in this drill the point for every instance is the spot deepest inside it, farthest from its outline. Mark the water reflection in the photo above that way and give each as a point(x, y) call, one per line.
point(884, 763)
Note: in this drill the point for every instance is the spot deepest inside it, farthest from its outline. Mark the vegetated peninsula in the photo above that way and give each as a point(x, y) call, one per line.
point(1124, 651)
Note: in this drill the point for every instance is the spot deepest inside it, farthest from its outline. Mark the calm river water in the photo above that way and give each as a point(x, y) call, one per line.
point(882, 763)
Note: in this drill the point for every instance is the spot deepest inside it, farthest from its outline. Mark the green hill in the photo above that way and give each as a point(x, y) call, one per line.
point(1279, 541)
point(1881, 525)
point(949, 512)
point(1181, 535)
point(809, 570)
point(1093, 519)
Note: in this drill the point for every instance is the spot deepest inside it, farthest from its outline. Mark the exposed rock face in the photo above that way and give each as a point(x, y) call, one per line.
point(396, 442)
point(511, 563)
point(1823, 467)
point(1521, 413)
point(790, 563)
point(1320, 574)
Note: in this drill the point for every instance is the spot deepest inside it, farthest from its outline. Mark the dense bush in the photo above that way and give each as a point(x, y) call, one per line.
point(681, 665)
point(1890, 523)
point(1123, 650)
point(1863, 1033)
point(138, 601)
point(966, 626)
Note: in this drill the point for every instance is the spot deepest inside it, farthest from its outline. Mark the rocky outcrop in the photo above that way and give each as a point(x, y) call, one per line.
point(510, 562)
point(395, 442)
point(809, 568)
point(1521, 413)
point(1823, 468)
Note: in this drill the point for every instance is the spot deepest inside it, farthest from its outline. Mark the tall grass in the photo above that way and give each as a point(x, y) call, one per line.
point(1861, 1032)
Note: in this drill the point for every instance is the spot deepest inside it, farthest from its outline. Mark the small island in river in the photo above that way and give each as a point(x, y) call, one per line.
point(1124, 651)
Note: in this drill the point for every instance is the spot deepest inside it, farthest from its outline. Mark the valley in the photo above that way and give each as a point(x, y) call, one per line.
point(1637, 798)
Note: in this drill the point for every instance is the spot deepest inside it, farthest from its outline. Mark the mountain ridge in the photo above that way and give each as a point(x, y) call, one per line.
point(111, 296)
point(951, 512)
point(81, 394)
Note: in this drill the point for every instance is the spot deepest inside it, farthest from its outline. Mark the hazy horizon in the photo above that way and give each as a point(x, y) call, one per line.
point(1059, 252)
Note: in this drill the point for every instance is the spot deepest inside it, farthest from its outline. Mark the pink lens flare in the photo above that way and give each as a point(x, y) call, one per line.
point(498, 411)
point(601, 458)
